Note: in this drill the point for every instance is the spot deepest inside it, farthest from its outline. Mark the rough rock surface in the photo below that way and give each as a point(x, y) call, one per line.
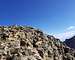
point(27, 43)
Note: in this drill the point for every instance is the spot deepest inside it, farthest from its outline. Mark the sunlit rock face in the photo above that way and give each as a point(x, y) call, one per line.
point(27, 43)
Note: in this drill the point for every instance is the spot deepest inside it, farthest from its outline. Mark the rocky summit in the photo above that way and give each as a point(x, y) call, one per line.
point(27, 43)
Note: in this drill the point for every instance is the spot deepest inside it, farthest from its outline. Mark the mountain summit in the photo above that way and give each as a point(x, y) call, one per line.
point(27, 43)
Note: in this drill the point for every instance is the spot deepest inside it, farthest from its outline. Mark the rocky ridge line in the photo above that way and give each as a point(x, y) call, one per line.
point(27, 43)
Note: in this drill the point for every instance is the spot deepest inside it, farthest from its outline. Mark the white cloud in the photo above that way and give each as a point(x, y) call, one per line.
point(67, 34)
point(71, 27)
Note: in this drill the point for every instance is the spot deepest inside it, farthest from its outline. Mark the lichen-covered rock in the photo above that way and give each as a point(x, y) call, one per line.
point(27, 43)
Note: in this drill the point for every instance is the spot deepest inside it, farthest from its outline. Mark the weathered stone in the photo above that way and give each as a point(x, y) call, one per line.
point(20, 43)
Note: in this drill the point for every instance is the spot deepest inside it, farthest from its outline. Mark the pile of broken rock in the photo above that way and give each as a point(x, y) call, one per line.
point(27, 43)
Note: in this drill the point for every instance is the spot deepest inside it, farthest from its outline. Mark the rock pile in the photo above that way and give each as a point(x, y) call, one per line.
point(27, 43)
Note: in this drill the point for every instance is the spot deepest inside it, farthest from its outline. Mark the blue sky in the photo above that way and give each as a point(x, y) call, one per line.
point(51, 16)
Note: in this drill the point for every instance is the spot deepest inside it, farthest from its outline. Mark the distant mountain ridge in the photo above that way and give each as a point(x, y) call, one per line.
point(70, 42)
